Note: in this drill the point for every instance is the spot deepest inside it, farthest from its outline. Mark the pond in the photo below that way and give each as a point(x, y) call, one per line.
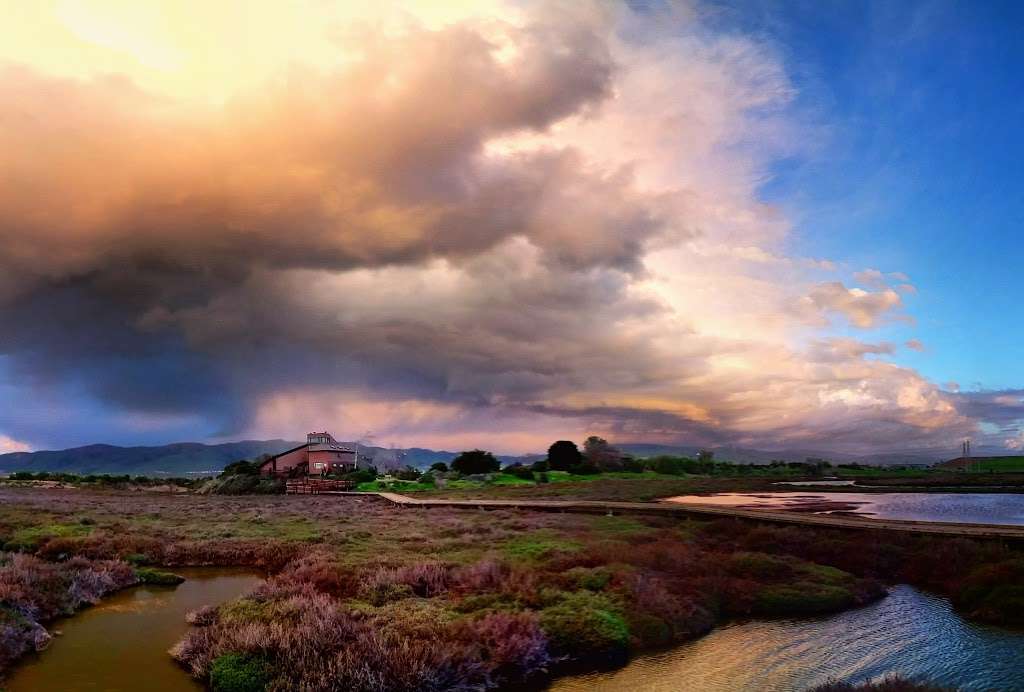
point(908, 632)
point(969, 508)
point(121, 644)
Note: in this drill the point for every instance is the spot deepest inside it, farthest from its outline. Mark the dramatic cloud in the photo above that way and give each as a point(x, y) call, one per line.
point(480, 228)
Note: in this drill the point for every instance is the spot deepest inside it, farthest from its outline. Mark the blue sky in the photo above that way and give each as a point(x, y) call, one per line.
point(918, 106)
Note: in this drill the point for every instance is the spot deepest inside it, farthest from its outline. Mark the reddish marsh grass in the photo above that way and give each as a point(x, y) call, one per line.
point(366, 596)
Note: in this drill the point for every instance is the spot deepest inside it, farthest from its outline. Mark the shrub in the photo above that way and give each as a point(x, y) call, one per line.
point(674, 466)
point(240, 468)
point(632, 465)
point(407, 474)
point(360, 475)
point(993, 593)
point(543, 478)
point(584, 469)
point(585, 625)
point(761, 566)
point(427, 479)
point(519, 471)
point(148, 575)
point(239, 673)
point(801, 598)
point(439, 467)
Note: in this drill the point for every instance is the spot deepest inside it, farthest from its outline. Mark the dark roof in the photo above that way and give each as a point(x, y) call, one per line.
point(312, 448)
point(293, 449)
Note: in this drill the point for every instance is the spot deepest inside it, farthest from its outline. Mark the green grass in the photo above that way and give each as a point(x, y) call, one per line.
point(538, 545)
point(1005, 464)
point(239, 673)
point(28, 538)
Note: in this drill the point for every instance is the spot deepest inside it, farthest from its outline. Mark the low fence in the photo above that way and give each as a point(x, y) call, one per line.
point(315, 486)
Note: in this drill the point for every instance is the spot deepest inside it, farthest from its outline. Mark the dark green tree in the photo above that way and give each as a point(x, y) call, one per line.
point(563, 455)
point(475, 461)
point(602, 455)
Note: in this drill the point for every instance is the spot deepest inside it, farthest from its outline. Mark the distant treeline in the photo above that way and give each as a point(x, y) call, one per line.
point(103, 479)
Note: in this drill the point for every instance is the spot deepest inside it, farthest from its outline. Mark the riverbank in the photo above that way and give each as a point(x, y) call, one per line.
point(136, 626)
point(510, 593)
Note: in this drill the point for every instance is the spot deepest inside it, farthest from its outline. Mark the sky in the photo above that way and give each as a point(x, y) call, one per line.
point(781, 225)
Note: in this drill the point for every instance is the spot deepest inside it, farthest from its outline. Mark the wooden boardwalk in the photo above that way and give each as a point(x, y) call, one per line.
point(689, 510)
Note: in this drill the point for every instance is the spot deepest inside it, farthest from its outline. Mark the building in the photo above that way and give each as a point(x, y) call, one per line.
point(321, 455)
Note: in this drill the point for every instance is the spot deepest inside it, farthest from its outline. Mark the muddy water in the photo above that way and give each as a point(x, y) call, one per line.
point(970, 508)
point(908, 632)
point(121, 644)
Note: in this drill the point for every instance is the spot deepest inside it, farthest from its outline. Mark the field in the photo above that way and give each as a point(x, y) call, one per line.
point(359, 592)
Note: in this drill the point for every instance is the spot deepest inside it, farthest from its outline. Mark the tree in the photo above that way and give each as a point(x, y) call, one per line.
point(439, 467)
point(706, 456)
point(602, 455)
point(475, 461)
point(563, 455)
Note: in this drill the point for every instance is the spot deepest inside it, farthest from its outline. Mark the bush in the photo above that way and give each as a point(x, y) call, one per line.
point(543, 478)
point(674, 466)
point(243, 484)
point(475, 461)
point(148, 575)
point(407, 474)
point(540, 466)
point(240, 468)
point(585, 625)
point(239, 673)
point(360, 476)
point(584, 469)
point(427, 479)
point(631, 465)
point(801, 598)
point(519, 471)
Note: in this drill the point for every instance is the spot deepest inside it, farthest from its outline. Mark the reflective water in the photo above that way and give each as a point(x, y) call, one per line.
point(970, 508)
point(909, 632)
point(121, 644)
point(832, 482)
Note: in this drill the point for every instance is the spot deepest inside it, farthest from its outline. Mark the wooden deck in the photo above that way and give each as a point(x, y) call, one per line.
point(685, 510)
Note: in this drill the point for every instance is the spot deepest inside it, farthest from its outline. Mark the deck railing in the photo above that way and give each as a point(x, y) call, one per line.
point(315, 486)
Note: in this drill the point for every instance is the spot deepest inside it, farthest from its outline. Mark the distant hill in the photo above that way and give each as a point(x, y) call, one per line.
point(179, 459)
point(194, 458)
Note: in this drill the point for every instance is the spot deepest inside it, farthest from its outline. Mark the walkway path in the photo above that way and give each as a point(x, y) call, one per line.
point(683, 510)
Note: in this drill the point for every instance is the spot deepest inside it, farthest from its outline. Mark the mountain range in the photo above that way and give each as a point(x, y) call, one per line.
point(196, 459)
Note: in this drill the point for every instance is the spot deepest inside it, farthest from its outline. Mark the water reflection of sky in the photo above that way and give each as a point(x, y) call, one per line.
point(909, 632)
point(973, 508)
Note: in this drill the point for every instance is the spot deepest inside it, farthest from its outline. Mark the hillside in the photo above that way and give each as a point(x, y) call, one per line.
point(179, 459)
